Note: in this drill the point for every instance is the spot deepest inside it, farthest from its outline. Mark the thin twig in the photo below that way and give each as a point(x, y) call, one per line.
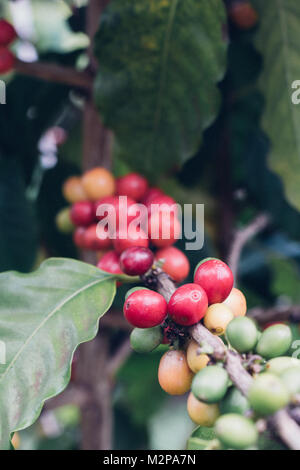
point(278, 313)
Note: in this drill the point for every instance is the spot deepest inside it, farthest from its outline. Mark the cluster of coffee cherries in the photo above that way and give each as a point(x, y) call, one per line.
point(119, 247)
point(242, 13)
point(7, 37)
point(213, 400)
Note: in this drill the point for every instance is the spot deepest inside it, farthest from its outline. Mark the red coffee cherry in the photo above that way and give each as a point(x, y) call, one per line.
point(7, 60)
point(216, 278)
point(132, 185)
point(82, 213)
point(162, 203)
point(110, 263)
point(243, 14)
point(129, 238)
point(175, 263)
point(145, 308)
point(78, 237)
point(126, 207)
point(7, 33)
point(97, 238)
point(188, 304)
point(164, 229)
point(151, 194)
point(136, 261)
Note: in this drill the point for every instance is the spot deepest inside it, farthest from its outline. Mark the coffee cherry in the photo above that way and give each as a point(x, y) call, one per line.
point(210, 384)
point(82, 213)
point(7, 33)
point(164, 229)
point(271, 323)
point(144, 340)
point(291, 379)
point(132, 185)
point(175, 263)
point(136, 261)
point(145, 308)
point(97, 238)
point(278, 365)
point(187, 305)
point(196, 361)
point(236, 432)
point(126, 208)
point(234, 402)
point(133, 289)
point(73, 190)
point(151, 194)
point(268, 394)
point(216, 278)
point(98, 183)
point(174, 375)
point(242, 334)
point(63, 221)
point(162, 203)
point(7, 60)
point(243, 14)
point(110, 263)
point(202, 413)
point(217, 318)
point(236, 302)
point(274, 341)
point(129, 238)
point(78, 237)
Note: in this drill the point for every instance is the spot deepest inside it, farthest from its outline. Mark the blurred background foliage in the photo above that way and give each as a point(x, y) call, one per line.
point(228, 172)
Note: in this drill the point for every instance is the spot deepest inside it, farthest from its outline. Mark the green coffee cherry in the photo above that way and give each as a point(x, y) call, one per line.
point(291, 379)
point(234, 402)
point(210, 384)
point(268, 394)
point(274, 341)
point(63, 221)
point(242, 334)
point(280, 364)
point(235, 431)
point(144, 340)
point(133, 289)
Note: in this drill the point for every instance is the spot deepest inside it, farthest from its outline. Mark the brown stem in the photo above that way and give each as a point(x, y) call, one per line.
point(286, 428)
point(280, 313)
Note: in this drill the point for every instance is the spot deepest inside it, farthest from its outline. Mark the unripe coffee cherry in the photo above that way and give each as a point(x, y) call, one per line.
point(274, 341)
point(174, 263)
point(242, 334)
point(7, 60)
point(196, 361)
point(268, 394)
point(82, 213)
point(145, 308)
point(216, 278)
point(73, 190)
point(174, 375)
point(128, 238)
point(210, 384)
point(7, 33)
point(63, 221)
point(110, 263)
point(202, 413)
point(132, 185)
point(236, 302)
point(97, 238)
point(188, 304)
point(236, 432)
point(217, 317)
point(291, 379)
point(234, 402)
point(136, 261)
point(98, 183)
point(144, 340)
point(278, 365)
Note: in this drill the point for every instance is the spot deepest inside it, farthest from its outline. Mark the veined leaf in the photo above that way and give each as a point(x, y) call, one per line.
point(156, 88)
point(44, 316)
point(277, 40)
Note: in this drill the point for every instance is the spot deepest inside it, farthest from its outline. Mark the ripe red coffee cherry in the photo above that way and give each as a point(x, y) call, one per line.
point(151, 194)
point(97, 238)
point(136, 261)
point(7, 33)
point(164, 229)
point(78, 237)
point(175, 263)
point(145, 308)
point(216, 279)
point(82, 213)
point(129, 238)
point(243, 14)
point(120, 206)
point(110, 263)
point(162, 203)
point(188, 304)
point(132, 185)
point(7, 60)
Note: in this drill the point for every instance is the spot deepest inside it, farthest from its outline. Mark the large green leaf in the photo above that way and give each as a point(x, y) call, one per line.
point(156, 88)
point(277, 40)
point(44, 316)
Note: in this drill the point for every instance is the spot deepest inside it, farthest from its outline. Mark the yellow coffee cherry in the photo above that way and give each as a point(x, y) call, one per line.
point(195, 361)
point(202, 413)
point(236, 302)
point(217, 318)
point(73, 190)
point(174, 374)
